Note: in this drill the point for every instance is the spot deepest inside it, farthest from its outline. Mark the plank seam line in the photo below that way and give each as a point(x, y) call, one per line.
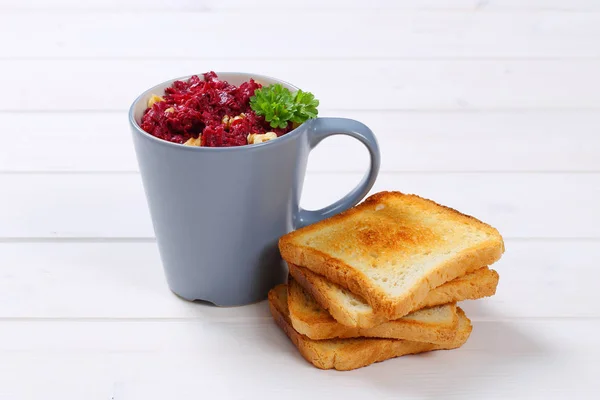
point(325, 172)
point(304, 10)
point(244, 320)
point(148, 239)
point(549, 58)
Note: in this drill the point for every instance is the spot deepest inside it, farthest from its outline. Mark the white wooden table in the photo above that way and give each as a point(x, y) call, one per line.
point(489, 106)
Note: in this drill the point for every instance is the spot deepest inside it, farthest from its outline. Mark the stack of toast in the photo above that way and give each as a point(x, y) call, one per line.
point(382, 280)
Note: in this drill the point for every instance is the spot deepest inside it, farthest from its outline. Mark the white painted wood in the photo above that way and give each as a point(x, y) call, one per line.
point(361, 84)
point(270, 5)
point(538, 279)
point(333, 33)
point(409, 141)
point(156, 360)
point(83, 388)
point(96, 205)
point(489, 106)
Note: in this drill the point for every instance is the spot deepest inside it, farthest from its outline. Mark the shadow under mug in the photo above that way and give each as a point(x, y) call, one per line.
point(218, 212)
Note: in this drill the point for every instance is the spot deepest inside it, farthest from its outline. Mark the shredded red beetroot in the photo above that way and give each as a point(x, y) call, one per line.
point(197, 107)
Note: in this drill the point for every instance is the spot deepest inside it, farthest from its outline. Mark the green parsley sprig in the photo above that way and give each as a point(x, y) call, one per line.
point(280, 106)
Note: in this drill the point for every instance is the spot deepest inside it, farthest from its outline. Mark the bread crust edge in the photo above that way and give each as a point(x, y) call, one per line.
point(392, 307)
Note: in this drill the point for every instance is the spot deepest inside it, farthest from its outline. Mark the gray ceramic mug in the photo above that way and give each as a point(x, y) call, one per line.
point(218, 212)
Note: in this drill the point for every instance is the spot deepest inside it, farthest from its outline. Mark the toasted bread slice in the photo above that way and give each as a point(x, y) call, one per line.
point(347, 354)
point(431, 325)
point(351, 310)
point(393, 248)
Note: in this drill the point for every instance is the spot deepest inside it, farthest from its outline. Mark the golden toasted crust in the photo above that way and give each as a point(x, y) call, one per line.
point(474, 285)
point(348, 354)
point(400, 234)
point(434, 325)
point(325, 295)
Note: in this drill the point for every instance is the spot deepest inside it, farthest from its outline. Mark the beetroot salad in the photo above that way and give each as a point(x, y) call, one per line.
point(213, 113)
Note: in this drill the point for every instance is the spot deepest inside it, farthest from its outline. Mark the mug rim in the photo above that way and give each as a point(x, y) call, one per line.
point(281, 139)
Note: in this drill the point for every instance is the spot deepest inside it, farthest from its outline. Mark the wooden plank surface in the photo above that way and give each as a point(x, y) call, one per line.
point(531, 141)
point(237, 5)
point(487, 106)
point(125, 280)
point(141, 360)
point(452, 85)
point(398, 34)
point(519, 205)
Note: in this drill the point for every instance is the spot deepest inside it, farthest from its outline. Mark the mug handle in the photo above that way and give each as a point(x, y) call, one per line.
point(325, 127)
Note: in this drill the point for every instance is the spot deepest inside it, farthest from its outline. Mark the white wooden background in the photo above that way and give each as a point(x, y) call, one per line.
point(489, 106)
